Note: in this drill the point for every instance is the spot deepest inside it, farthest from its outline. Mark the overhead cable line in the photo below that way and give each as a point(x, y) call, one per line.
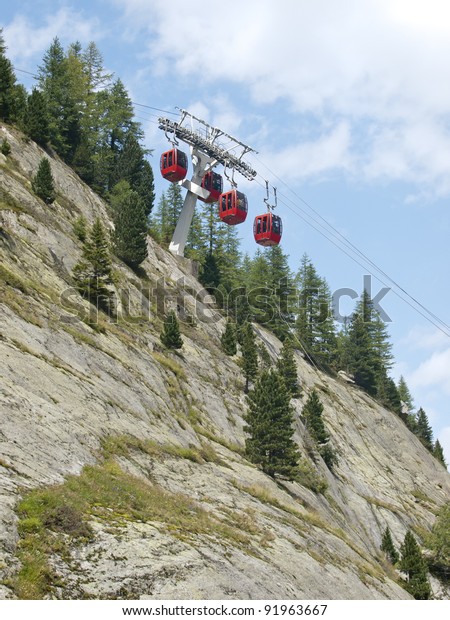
point(434, 320)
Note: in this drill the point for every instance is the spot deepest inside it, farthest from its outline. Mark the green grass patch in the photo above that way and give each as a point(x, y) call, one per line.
point(10, 278)
point(124, 445)
point(170, 364)
point(53, 519)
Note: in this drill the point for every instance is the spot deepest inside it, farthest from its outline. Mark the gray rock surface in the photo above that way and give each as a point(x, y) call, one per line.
point(65, 387)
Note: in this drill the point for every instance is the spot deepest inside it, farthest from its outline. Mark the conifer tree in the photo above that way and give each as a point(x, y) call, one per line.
point(312, 414)
point(315, 324)
point(61, 81)
point(387, 393)
point(387, 545)
point(5, 147)
point(287, 368)
point(269, 426)
point(249, 360)
point(209, 274)
point(423, 429)
point(405, 394)
point(170, 336)
point(92, 273)
point(228, 339)
point(413, 564)
point(438, 453)
point(367, 350)
point(36, 118)
point(130, 234)
point(7, 84)
point(43, 183)
point(439, 540)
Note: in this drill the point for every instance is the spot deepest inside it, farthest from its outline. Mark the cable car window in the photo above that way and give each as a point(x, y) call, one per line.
point(264, 225)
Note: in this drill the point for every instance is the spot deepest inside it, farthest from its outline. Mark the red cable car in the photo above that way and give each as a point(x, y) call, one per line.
point(174, 165)
point(212, 181)
point(233, 207)
point(267, 229)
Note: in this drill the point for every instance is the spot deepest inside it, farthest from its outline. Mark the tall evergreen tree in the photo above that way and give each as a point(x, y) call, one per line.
point(315, 324)
point(130, 234)
point(61, 81)
point(249, 360)
point(423, 429)
point(7, 83)
point(387, 545)
point(413, 564)
point(438, 453)
point(228, 339)
point(43, 182)
point(269, 426)
point(92, 273)
point(209, 274)
point(170, 336)
point(287, 368)
point(312, 414)
point(387, 393)
point(132, 167)
point(405, 394)
point(36, 118)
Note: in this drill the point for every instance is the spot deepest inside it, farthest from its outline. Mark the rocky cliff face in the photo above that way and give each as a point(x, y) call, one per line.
point(106, 404)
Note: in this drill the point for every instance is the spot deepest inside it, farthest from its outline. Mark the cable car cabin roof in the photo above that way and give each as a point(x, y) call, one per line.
point(233, 207)
point(212, 181)
point(267, 229)
point(174, 165)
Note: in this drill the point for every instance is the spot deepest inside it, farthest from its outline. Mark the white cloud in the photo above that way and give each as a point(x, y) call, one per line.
point(329, 151)
point(425, 338)
point(381, 66)
point(433, 372)
point(24, 39)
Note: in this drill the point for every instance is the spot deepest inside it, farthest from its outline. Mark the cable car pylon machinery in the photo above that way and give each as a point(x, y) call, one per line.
point(206, 153)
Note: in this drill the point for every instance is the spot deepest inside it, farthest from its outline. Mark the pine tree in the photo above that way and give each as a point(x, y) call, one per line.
point(281, 286)
point(287, 368)
point(228, 339)
point(92, 273)
point(43, 183)
point(405, 394)
point(438, 453)
point(36, 118)
point(312, 414)
point(367, 351)
point(413, 564)
point(130, 234)
point(62, 82)
point(5, 147)
point(269, 426)
point(209, 274)
point(7, 84)
point(387, 545)
point(315, 324)
point(387, 394)
point(423, 429)
point(439, 541)
point(357, 358)
point(249, 360)
point(170, 336)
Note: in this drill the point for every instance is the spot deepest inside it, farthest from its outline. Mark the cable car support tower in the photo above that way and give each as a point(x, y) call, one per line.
point(207, 151)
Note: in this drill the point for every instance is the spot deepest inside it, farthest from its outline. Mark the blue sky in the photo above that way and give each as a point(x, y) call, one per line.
point(348, 106)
